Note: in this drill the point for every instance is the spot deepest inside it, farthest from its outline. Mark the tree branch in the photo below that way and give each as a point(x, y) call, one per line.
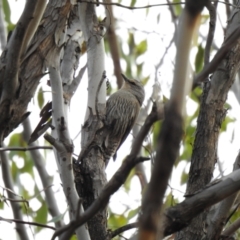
point(63, 145)
point(212, 25)
point(218, 214)
point(25, 222)
point(117, 180)
point(124, 229)
point(4, 149)
point(44, 176)
point(16, 209)
point(14, 51)
point(211, 115)
point(180, 216)
point(171, 132)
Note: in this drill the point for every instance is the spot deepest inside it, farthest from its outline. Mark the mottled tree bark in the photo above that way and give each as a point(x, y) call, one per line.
point(90, 167)
point(32, 67)
point(211, 115)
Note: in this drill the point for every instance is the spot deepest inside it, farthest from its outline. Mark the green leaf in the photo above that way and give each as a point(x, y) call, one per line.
point(116, 221)
point(196, 94)
point(1, 204)
point(177, 8)
point(14, 171)
point(133, 2)
point(41, 216)
point(199, 59)
point(17, 140)
point(145, 80)
point(28, 165)
point(156, 130)
point(225, 123)
point(40, 98)
point(141, 47)
point(133, 213)
point(74, 237)
point(170, 201)
point(7, 11)
point(204, 18)
point(184, 178)
point(139, 68)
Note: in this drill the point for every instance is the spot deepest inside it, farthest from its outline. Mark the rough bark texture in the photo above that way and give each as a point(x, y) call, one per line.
point(32, 68)
point(180, 216)
point(211, 115)
point(89, 181)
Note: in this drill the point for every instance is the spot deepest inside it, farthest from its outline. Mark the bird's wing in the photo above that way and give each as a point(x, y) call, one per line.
point(123, 112)
point(128, 128)
point(125, 134)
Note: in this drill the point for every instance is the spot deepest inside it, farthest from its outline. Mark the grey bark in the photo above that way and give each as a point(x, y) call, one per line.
point(210, 118)
point(218, 214)
point(45, 178)
point(90, 175)
point(32, 66)
point(16, 208)
point(171, 132)
point(180, 216)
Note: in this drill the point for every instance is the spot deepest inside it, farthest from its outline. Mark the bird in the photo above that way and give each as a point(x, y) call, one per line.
point(122, 109)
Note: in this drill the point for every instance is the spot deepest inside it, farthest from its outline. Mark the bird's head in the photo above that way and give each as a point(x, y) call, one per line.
point(135, 87)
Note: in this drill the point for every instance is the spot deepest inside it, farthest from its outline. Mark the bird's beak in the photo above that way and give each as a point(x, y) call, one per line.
point(125, 78)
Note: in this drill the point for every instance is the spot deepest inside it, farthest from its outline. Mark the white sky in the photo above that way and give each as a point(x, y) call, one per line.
point(158, 38)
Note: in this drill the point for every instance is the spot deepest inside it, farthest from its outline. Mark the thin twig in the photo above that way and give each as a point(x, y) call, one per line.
point(3, 198)
point(131, 8)
point(24, 148)
point(9, 187)
point(210, 68)
point(26, 222)
point(123, 229)
point(147, 6)
point(212, 25)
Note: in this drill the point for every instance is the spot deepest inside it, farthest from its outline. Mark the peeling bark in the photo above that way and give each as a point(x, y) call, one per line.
point(32, 68)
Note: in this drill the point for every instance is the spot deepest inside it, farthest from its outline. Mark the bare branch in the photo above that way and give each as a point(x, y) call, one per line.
point(124, 229)
point(25, 222)
point(217, 216)
point(181, 215)
point(212, 25)
point(149, 6)
point(117, 180)
point(114, 45)
point(44, 176)
point(14, 51)
point(171, 132)
point(229, 231)
point(131, 8)
point(211, 67)
point(4, 149)
point(211, 115)
point(69, 90)
point(7, 178)
point(63, 145)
